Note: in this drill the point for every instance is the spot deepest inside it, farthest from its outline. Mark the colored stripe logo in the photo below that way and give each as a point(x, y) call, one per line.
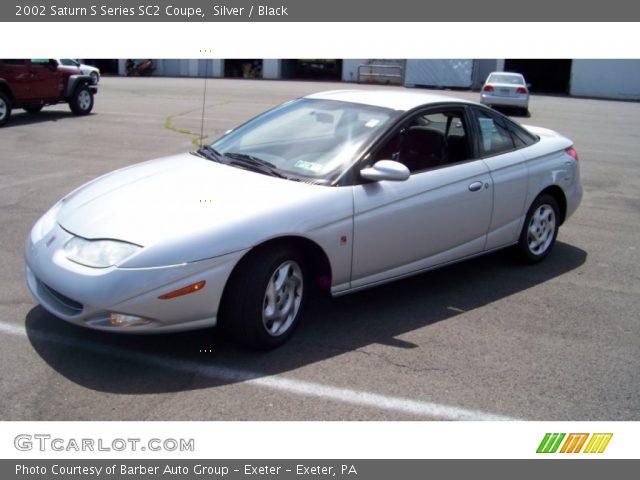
point(574, 442)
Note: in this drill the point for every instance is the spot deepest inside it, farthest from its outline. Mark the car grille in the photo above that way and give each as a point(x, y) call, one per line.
point(63, 300)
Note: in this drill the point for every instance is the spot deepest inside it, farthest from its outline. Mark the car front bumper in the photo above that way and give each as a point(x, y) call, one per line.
point(88, 296)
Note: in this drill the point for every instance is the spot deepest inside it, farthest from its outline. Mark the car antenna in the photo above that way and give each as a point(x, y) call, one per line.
point(204, 99)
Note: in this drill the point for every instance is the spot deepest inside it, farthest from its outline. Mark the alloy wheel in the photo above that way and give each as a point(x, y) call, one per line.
point(541, 229)
point(282, 298)
point(84, 100)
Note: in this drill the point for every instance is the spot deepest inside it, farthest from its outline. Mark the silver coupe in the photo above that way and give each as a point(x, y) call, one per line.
point(341, 190)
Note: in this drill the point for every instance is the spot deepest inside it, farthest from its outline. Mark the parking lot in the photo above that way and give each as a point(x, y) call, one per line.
point(484, 339)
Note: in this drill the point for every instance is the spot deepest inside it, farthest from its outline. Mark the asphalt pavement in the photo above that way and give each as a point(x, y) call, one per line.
point(484, 339)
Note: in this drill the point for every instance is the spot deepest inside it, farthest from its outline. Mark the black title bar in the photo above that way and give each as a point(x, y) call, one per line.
point(314, 469)
point(316, 11)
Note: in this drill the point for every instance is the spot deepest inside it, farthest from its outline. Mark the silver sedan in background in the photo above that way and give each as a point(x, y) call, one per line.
point(341, 190)
point(505, 89)
point(92, 72)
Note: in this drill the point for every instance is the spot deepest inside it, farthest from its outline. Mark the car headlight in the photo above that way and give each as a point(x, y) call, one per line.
point(98, 253)
point(46, 223)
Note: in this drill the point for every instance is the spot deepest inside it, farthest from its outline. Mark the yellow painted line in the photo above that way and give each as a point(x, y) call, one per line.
point(197, 139)
point(168, 124)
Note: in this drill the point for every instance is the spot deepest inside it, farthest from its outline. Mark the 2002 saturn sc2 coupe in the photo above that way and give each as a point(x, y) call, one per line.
point(344, 190)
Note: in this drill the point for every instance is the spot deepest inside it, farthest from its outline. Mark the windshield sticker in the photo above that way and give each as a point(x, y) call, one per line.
point(372, 122)
point(314, 167)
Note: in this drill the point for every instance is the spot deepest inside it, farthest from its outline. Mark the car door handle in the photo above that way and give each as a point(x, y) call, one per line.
point(475, 186)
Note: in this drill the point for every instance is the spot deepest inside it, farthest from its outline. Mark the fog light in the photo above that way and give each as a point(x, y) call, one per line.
point(121, 320)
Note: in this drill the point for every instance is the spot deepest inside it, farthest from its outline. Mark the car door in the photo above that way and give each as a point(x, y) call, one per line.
point(439, 214)
point(499, 147)
point(47, 82)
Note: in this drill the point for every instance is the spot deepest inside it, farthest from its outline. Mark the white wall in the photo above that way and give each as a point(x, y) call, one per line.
point(439, 73)
point(217, 67)
point(270, 68)
point(350, 69)
point(606, 78)
point(192, 66)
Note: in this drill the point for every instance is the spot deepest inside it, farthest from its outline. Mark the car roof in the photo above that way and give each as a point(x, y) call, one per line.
point(401, 100)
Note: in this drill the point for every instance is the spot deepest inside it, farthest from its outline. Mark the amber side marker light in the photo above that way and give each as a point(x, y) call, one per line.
point(194, 287)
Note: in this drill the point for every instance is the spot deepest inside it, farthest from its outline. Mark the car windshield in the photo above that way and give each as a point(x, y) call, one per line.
point(508, 79)
point(312, 138)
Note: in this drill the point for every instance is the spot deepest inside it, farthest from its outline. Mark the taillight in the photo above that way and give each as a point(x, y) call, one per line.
point(488, 88)
point(522, 90)
point(571, 151)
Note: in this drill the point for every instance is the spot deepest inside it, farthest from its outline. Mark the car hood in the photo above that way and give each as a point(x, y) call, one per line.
point(179, 200)
point(69, 70)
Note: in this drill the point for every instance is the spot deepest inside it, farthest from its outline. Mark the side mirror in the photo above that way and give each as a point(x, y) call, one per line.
point(53, 63)
point(528, 86)
point(386, 170)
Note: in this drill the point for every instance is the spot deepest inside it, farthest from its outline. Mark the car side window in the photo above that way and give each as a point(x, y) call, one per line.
point(41, 62)
point(521, 137)
point(14, 62)
point(428, 140)
point(494, 136)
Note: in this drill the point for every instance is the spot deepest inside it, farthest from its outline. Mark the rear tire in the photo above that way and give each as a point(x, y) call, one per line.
point(5, 109)
point(81, 102)
point(265, 297)
point(540, 229)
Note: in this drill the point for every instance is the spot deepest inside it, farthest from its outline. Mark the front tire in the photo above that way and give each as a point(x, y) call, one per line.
point(81, 102)
point(540, 229)
point(5, 109)
point(265, 298)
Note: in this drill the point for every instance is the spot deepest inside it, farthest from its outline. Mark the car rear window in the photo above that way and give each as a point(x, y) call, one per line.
point(522, 137)
point(494, 128)
point(510, 79)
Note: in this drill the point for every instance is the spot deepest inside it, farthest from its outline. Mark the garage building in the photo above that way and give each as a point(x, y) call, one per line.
point(601, 78)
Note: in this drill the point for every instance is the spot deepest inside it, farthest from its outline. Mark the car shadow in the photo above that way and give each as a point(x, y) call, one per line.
point(26, 118)
point(203, 359)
